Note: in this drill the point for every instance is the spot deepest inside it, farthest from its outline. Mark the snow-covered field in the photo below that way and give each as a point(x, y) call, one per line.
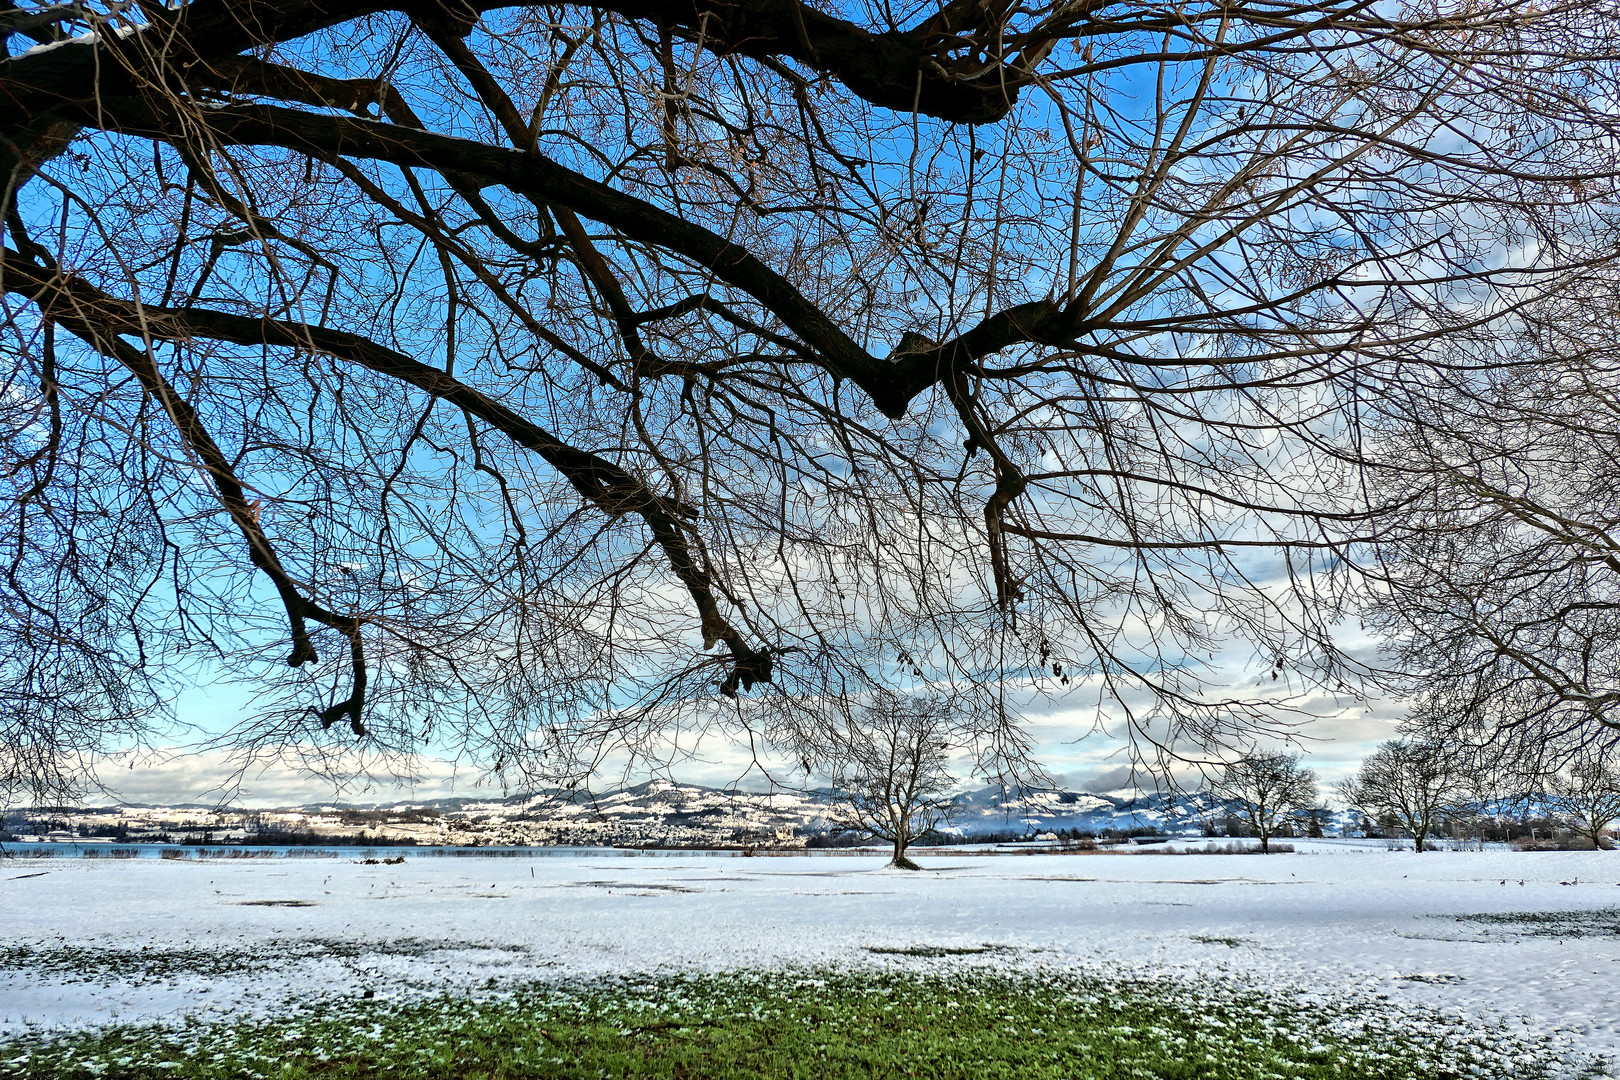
point(87, 941)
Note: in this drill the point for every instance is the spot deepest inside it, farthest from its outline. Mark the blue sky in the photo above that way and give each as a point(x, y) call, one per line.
point(1066, 743)
point(1339, 734)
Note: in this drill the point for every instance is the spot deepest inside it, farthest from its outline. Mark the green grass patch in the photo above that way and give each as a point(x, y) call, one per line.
point(933, 951)
point(1594, 922)
point(815, 1024)
point(153, 965)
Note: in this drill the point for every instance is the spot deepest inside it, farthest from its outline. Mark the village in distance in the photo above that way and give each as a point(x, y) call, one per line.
point(665, 814)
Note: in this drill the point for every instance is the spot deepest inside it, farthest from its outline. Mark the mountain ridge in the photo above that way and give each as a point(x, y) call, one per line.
point(660, 806)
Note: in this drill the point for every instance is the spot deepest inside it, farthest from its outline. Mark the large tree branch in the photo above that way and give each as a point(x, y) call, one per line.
point(65, 307)
point(600, 481)
point(897, 69)
point(890, 383)
point(529, 174)
point(904, 70)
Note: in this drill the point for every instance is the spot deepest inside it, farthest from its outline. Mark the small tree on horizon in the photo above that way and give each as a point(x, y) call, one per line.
point(1587, 797)
point(1269, 789)
point(890, 775)
point(1417, 785)
point(1316, 821)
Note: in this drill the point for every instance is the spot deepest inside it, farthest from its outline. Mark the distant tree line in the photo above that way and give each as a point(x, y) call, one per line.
point(1423, 790)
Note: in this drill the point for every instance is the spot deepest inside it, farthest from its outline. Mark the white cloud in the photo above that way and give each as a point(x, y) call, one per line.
point(1076, 756)
point(1334, 737)
point(177, 775)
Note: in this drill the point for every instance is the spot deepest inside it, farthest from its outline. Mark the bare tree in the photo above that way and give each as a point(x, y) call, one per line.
point(890, 773)
point(1587, 797)
point(1269, 790)
point(540, 381)
point(1499, 586)
point(1420, 785)
point(1490, 785)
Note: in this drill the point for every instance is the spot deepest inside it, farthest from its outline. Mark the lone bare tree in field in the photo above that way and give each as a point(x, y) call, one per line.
point(1587, 797)
point(890, 774)
point(537, 382)
point(1419, 784)
point(1269, 789)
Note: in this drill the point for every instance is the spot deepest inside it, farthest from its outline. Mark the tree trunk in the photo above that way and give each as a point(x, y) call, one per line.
point(1417, 840)
point(1265, 843)
point(900, 862)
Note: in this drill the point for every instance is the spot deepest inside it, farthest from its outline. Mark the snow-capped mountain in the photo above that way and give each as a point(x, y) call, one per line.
point(657, 812)
point(999, 809)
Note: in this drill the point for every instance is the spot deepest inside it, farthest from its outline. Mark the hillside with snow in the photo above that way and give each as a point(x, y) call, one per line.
point(658, 812)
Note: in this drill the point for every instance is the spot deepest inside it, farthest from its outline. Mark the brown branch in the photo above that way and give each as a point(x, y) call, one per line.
point(893, 69)
point(890, 384)
point(75, 302)
point(65, 306)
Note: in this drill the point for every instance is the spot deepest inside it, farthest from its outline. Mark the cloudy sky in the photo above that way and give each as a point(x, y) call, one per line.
point(1334, 739)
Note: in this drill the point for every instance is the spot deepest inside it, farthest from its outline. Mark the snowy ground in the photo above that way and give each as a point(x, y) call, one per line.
point(87, 941)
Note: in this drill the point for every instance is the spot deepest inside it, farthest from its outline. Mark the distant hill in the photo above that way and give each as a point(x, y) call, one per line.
point(998, 809)
point(987, 809)
point(653, 813)
point(662, 809)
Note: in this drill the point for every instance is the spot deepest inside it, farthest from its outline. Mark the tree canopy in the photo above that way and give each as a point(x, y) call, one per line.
point(1421, 786)
point(537, 379)
point(1502, 575)
point(1267, 790)
point(891, 774)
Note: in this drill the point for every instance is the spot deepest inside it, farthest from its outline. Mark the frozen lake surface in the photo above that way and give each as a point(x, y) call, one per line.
point(1516, 936)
